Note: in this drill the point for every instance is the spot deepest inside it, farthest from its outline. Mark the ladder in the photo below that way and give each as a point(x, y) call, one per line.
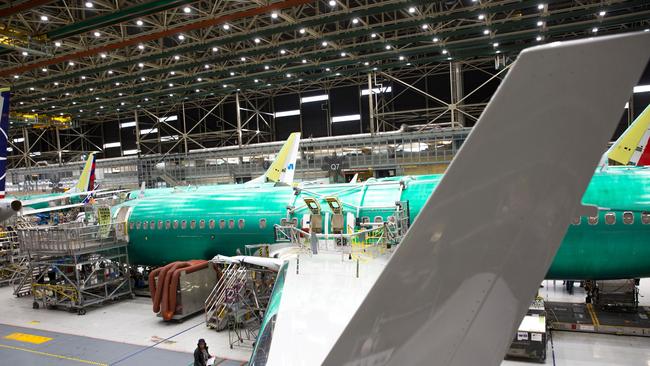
point(226, 292)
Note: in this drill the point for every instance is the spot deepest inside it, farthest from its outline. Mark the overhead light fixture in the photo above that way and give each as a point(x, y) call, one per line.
point(288, 75)
point(444, 52)
point(540, 23)
point(373, 35)
point(206, 66)
point(110, 72)
point(401, 58)
point(232, 73)
point(355, 21)
point(31, 88)
point(302, 31)
point(56, 83)
point(332, 3)
point(387, 47)
point(498, 51)
point(486, 31)
point(314, 98)
point(226, 26)
point(266, 67)
point(142, 78)
point(139, 23)
point(602, 13)
point(346, 118)
point(215, 49)
point(538, 38)
point(197, 90)
point(102, 55)
point(242, 59)
point(44, 18)
point(481, 16)
point(25, 53)
point(117, 83)
point(44, 69)
point(495, 44)
point(327, 69)
point(71, 63)
point(181, 37)
point(274, 15)
point(257, 40)
point(366, 63)
point(256, 81)
point(187, 10)
point(199, 79)
point(343, 54)
point(324, 43)
point(594, 30)
point(294, 112)
point(540, 7)
point(171, 85)
point(425, 26)
point(435, 39)
point(225, 86)
point(412, 10)
point(642, 88)
point(97, 34)
point(83, 77)
point(304, 61)
point(57, 44)
point(89, 4)
point(172, 73)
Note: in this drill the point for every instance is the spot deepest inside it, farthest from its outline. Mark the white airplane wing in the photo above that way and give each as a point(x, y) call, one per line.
point(32, 211)
point(459, 284)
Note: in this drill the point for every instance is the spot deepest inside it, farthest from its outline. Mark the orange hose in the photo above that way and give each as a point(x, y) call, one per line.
point(165, 287)
point(158, 289)
point(188, 267)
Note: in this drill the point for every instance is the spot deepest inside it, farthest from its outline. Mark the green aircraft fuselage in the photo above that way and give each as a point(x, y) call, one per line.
point(206, 222)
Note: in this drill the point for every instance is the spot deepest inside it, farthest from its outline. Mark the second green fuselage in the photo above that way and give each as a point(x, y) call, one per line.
point(210, 221)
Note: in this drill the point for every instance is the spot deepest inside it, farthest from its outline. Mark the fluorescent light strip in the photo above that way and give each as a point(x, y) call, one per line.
point(168, 118)
point(385, 89)
point(148, 131)
point(112, 144)
point(130, 152)
point(314, 98)
point(642, 88)
point(295, 112)
point(9, 149)
point(127, 124)
point(350, 117)
point(168, 138)
point(20, 139)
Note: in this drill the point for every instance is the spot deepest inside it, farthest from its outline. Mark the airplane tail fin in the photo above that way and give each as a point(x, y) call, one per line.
point(644, 159)
point(4, 138)
point(623, 149)
point(436, 311)
point(87, 178)
point(284, 166)
point(354, 178)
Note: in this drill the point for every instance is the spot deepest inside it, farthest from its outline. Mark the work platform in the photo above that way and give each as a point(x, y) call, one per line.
point(74, 266)
point(578, 317)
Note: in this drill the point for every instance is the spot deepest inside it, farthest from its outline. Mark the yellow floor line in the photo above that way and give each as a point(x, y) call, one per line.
point(592, 313)
point(53, 355)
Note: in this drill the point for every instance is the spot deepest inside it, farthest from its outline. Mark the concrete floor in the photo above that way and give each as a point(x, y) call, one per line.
point(128, 333)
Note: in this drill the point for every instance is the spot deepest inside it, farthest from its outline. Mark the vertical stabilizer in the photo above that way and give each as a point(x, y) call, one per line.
point(623, 149)
point(4, 128)
point(87, 178)
point(456, 288)
point(284, 166)
point(644, 159)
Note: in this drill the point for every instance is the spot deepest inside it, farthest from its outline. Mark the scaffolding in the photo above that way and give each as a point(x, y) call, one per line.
point(12, 262)
point(238, 301)
point(74, 266)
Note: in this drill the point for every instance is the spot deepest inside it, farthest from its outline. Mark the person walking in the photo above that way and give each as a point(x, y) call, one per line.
point(201, 354)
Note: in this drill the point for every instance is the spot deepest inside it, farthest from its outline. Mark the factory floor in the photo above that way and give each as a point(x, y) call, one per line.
point(128, 333)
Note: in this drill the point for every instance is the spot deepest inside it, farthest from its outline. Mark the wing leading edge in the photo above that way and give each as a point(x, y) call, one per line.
point(457, 287)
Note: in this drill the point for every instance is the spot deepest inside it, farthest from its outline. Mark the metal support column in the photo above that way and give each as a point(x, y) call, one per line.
point(239, 133)
point(137, 132)
point(456, 84)
point(371, 108)
point(58, 146)
point(184, 128)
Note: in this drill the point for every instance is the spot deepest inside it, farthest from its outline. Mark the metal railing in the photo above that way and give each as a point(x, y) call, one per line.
point(68, 238)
